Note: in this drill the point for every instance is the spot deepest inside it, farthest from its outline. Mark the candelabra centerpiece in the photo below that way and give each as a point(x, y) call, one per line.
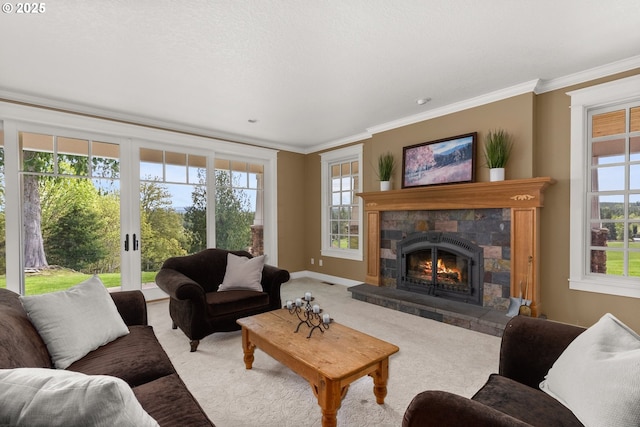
point(310, 315)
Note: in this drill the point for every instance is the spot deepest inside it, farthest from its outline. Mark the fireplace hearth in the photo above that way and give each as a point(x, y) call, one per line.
point(442, 265)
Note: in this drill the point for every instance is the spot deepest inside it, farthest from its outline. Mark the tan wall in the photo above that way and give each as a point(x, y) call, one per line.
point(552, 158)
point(540, 126)
point(515, 115)
point(292, 219)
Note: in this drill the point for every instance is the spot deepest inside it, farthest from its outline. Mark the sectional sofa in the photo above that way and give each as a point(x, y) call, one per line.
point(136, 358)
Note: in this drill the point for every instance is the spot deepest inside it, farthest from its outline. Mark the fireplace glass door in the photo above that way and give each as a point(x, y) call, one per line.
point(439, 269)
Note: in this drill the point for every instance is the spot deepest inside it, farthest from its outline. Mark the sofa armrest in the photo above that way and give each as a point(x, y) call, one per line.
point(132, 307)
point(272, 279)
point(178, 286)
point(441, 409)
point(530, 346)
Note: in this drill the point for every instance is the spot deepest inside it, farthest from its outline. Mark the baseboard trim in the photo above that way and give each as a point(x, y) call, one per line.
point(333, 280)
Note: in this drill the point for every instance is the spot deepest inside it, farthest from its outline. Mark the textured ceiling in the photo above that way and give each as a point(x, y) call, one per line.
point(312, 73)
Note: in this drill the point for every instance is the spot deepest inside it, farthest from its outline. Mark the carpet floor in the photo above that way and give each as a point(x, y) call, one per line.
point(432, 356)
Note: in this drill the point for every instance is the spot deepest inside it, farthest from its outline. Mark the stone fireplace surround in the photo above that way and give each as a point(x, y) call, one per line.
point(512, 204)
point(488, 228)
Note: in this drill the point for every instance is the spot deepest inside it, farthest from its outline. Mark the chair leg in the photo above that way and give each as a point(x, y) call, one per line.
point(173, 325)
point(194, 345)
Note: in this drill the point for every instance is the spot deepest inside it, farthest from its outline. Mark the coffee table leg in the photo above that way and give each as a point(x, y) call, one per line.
point(329, 399)
point(247, 348)
point(380, 377)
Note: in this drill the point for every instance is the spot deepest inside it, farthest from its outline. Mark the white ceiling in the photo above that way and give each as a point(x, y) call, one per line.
point(314, 74)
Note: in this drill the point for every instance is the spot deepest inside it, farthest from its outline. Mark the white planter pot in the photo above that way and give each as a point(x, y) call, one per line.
point(385, 185)
point(496, 174)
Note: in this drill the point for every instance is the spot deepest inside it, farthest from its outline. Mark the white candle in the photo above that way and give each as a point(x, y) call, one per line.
point(316, 308)
point(298, 302)
point(326, 318)
point(307, 296)
point(289, 304)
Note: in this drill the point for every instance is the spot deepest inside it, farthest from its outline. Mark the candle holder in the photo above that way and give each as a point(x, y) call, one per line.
point(308, 315)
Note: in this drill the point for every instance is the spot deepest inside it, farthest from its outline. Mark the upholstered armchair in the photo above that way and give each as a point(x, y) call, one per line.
point(199, 307)
point(511, 398)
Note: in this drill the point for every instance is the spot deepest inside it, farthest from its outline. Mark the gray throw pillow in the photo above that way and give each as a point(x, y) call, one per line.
point(76, 321)
point(243, 273)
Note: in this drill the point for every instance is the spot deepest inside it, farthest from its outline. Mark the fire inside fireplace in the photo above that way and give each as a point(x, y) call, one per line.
point(441, 264)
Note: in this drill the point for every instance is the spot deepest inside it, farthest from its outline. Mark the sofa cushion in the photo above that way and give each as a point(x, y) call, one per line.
point(525, 403)
point(243, 273)
point(170, 403)
point(76, 321)
point(135, 358)
point(20, 344)
point(597, 375)
point(49, 397)
point(235, 302)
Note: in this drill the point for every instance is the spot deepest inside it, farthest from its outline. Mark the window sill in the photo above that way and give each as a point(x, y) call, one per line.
point(341, 253)
point(623, 288)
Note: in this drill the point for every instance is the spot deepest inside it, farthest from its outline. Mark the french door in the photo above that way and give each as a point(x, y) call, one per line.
point(94, 204)
point(82, 196)
point(169, 205)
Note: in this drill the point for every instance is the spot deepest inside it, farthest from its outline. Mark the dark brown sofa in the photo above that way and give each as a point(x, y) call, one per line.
point(512, 397)
point(136, 358)
point(196, 306)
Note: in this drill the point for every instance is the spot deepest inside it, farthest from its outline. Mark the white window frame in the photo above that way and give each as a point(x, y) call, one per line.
point(582, 101)
point(351, 153)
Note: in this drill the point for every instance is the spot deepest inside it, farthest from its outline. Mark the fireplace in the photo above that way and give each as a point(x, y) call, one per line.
point(441, 264)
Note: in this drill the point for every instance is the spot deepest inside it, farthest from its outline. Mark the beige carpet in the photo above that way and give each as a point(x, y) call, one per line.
point(432, 355)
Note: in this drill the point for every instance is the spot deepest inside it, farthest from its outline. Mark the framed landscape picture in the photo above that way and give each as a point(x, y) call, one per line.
point(445, 161)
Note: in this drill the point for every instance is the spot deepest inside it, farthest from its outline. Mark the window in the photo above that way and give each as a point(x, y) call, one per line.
point(341, 210)
point(173, 207)
point(239, 206)
point(605, 188)
point(71, 211)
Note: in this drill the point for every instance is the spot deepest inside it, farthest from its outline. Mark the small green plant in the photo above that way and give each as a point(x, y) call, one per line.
point(497, 149)
point(386, 165)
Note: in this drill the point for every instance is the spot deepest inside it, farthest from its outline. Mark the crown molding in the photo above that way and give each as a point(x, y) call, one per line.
point(537, 86)
point(134, 119)
point(457, 106)
point(339, 142)
point(590, 74)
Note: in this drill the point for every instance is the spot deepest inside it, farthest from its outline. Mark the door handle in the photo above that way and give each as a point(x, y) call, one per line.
point(135, 242)
point(126, 243)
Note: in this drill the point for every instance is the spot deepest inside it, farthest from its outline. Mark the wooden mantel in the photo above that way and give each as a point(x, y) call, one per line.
point(523, 196)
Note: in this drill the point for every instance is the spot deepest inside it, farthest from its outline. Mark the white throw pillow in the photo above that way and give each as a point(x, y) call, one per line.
point(243, 273)
point(50, 397)
point(598, 375)
point(76, 321)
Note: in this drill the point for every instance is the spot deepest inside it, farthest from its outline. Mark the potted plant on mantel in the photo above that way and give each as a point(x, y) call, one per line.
point(497, 149)
point(386, 166)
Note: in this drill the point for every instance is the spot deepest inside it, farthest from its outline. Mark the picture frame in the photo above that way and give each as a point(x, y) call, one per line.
point(445, 161)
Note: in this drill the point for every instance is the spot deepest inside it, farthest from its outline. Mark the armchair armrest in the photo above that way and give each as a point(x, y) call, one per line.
point(441, 409)
point(272, 279)
point(179, 286)
point(530, 346)
point(132, 307)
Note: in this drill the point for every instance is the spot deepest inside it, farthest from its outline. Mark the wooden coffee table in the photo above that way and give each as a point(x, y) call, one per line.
point(330, 361)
